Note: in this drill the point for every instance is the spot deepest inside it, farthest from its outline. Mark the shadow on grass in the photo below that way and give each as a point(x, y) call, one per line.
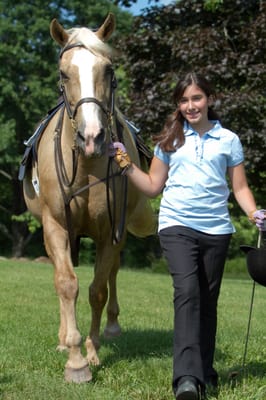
point(5, 379)
point(238, 373)
point(134, 344)
point(145, 344)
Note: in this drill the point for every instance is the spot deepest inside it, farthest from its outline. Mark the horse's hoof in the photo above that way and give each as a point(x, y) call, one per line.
point(112, 331)
point(80, 375)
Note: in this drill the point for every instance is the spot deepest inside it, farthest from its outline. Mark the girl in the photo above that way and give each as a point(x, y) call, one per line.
point(192, 157)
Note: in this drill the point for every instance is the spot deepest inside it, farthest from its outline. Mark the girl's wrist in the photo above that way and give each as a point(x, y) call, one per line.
point(251, 215)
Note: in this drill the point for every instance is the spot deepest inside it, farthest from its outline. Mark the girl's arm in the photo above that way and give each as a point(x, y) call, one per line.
point(241, 190)
point(150, 183)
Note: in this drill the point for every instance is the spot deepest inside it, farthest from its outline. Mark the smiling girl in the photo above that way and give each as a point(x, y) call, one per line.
point(192, 158)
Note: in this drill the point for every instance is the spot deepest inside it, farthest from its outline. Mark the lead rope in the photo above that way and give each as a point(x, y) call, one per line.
point(63, 180)
point(116, 233)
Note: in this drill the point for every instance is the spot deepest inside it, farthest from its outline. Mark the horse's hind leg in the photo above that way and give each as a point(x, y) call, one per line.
point(107, 260)
point(66, 284)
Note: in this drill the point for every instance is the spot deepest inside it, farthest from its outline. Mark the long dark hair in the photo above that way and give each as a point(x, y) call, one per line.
point(172, 135)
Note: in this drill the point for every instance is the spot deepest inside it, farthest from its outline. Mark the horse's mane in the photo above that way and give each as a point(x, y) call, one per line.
point(89, 40)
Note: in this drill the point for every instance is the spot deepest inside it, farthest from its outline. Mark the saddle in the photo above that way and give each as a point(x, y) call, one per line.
point(143, 149)
point(30, 154)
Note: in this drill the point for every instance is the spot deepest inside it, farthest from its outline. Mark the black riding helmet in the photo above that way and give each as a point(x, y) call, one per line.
point(256, 263)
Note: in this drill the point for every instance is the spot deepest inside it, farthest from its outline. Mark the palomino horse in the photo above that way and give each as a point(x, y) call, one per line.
point(75, 189)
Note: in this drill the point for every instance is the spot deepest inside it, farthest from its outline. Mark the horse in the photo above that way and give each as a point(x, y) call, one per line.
point(75, 189)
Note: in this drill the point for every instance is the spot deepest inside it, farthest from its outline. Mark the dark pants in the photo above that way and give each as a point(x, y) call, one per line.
point(196, 263)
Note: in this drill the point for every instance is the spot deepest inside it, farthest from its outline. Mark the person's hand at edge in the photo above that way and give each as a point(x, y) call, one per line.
point(258, 218)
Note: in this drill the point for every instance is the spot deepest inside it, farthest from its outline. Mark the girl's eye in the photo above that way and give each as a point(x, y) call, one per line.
point(193, 98)
point(196, 98)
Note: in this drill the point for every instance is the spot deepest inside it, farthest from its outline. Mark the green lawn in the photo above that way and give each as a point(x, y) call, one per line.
point(138, 365)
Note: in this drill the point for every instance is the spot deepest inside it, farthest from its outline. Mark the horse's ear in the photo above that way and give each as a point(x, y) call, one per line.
point(58, 33)
point(107, 28)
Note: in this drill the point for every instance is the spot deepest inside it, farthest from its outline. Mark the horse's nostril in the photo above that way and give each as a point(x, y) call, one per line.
point(80, 136)
point(100, 138)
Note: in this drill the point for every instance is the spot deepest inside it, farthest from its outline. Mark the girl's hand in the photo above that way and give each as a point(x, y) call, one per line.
point(118, 151)
point(258, 218)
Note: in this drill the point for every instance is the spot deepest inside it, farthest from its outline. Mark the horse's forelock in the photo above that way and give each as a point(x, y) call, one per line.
point(90, 40)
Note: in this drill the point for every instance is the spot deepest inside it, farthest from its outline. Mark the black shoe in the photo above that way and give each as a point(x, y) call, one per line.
point(187, 390)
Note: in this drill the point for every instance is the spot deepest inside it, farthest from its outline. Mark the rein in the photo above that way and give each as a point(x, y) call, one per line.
point(65, 181)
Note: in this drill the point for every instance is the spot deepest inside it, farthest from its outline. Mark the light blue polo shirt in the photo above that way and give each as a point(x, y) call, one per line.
point(196, 191)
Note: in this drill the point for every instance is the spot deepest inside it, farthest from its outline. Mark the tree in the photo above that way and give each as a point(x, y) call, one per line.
point(28, 63)
point(225, 41)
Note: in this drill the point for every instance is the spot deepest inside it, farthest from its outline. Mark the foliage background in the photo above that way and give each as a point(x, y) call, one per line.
point(222, 39)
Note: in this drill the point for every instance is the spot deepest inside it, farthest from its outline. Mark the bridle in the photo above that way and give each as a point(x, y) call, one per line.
point(109, 112)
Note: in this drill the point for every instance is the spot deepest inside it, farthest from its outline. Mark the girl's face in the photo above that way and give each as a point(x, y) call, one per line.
point(193, 106)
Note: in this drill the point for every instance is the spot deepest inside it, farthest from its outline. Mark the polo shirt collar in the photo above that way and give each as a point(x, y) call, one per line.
point(214, 132)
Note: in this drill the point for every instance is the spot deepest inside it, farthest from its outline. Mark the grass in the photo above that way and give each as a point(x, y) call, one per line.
point(135, 366)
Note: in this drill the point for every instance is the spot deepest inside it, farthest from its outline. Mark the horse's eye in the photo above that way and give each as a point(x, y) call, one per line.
point(109, 71)
point(64, 77)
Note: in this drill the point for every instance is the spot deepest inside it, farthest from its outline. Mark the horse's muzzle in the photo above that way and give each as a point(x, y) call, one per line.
point(92, 146)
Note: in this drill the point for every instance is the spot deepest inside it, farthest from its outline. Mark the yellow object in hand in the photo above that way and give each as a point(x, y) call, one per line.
point(122, 159)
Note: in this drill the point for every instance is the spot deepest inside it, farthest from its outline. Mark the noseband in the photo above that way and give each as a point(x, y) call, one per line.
point(72, 114)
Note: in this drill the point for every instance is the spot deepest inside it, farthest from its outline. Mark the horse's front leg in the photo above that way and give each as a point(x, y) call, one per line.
point(66, 285)
point(107, 259)
point(113, 328)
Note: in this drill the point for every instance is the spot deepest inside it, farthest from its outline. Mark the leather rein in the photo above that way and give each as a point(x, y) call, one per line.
point(66, 182)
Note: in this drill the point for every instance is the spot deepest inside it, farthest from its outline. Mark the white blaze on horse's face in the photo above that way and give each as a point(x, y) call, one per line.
point(85, 62)
point(89, 78)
